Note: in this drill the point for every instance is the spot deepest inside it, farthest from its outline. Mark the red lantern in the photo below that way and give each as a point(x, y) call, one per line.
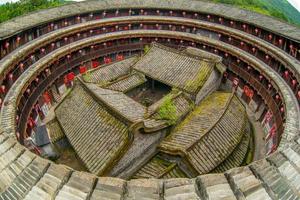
point(256, 30)
point(269, 86)
point(10, 76)
point(107, 60)
point(231, 22)
point(220, 20)
point(18, 39)
point(120, 57)
point(267, 57)
point(6, 45)
point(280, 41)
point(71, 76)
point(46, 97)
point(95, 63)
point(270, 37)
point(244, 26)
point(82, 69)
point(277, 96)
point(260, 77)
point(21, 66)
point(253, 49)
point(282, 109)
point(208, 16)
point(28, 91)
point(298, 93)
point(294, 82)
point(3, 89)
point(286, 73)
point(242, 43)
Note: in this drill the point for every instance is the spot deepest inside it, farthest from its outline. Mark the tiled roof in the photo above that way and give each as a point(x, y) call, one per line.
point(127, 83)
point(120, 103)
point(175, 68)
point(210, 133)
point(110, 72)
point(88, 126)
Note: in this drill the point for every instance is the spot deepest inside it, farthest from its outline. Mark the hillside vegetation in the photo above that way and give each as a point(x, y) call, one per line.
point(281, 9)
point(11, 10)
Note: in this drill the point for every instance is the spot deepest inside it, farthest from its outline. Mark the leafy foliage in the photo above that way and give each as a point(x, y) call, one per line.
point(11, 10)
point(280, 9)
point(167, 111)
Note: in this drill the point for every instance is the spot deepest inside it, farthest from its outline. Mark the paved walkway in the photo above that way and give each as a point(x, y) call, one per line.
point(259, 139)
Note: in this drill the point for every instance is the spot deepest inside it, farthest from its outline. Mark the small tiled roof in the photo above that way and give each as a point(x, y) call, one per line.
point(175, 68)
point(110, 72)
point(120, 103)
point(127, 83)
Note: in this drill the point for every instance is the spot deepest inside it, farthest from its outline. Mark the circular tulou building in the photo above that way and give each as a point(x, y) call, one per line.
point(145, 100)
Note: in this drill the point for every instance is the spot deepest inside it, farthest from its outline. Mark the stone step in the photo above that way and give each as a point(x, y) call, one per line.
point(144, 189)
point(109, 188)
point(246, 185)
point(180, 189)
point(214, 187)
point(50, 183)
point(79, 186)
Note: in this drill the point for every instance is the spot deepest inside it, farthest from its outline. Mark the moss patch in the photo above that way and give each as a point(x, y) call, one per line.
point(195, 83)
point(167, 111)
